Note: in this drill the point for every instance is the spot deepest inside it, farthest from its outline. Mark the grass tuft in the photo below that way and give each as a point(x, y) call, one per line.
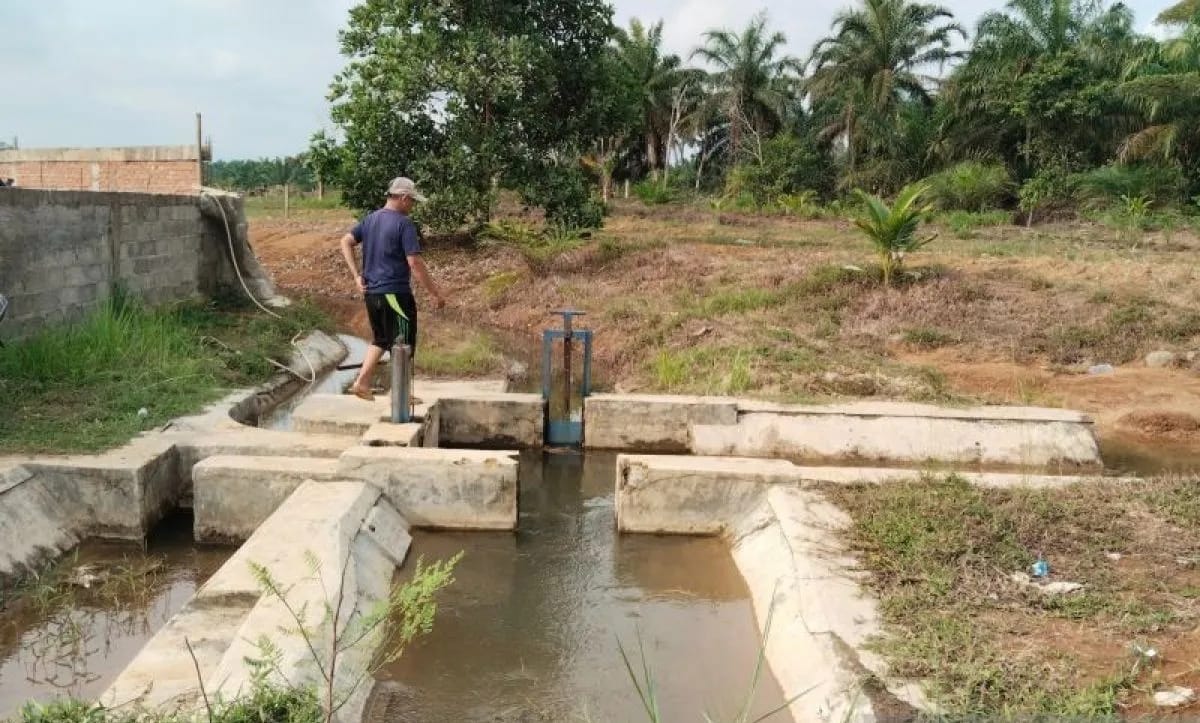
point(79, 388)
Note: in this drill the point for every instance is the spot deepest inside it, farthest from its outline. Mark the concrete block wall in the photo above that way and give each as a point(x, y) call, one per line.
point(61, 252)
point(144, 169)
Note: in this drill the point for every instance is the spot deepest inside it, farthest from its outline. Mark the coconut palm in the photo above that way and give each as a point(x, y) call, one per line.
point(877, 58)
point(752, 81)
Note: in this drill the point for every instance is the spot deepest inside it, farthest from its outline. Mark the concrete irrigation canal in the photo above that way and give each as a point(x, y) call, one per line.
point(686, 523)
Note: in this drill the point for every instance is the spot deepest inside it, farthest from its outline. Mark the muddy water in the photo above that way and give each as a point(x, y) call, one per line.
point(333, 382)
point(60, 639)
point(1122, 455)
point(529, 631)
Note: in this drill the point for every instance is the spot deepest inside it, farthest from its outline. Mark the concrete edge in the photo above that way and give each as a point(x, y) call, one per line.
point(318, 349)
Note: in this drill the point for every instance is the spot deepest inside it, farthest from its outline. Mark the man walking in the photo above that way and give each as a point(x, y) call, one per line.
point(391, 252)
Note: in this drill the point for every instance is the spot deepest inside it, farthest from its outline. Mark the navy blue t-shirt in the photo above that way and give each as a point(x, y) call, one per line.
point(388, 238)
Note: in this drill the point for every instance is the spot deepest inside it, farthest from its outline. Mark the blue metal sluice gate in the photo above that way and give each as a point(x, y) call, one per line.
point(564, 419)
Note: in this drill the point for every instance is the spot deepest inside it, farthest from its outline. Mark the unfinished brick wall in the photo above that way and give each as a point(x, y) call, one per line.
point(62, 252)
point(147, 169)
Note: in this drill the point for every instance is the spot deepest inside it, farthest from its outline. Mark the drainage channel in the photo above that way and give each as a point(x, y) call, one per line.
point(333, 382)
point(69, 633)
point(529, 631)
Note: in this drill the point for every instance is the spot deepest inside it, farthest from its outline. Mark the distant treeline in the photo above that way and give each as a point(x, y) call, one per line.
point(257, 176)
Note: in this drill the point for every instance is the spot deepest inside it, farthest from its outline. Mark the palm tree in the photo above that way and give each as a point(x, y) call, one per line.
point(893, 230)
point(996, 110)
point(1165, 86)
point(656, 77)
point(876, 59)
point(751, 83)
point(1181, 13)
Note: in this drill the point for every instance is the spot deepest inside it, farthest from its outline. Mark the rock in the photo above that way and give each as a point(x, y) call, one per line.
point(1114, 556)
point(1101, 369)
point(1174, 697)
point(1160, 359)
point(1061, 588)
point(1050, 588)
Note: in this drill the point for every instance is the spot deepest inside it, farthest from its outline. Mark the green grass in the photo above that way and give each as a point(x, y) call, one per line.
point(705, 370)
point(939, 551)
point(472, 355)
point(262, 705)
point(79, 388)
point(740, 301)
point(927, 338)
point(496, 285)
point(964, 224)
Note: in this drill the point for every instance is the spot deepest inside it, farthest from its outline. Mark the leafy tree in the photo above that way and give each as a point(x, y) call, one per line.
point(752, 83)
point(1039, 88)
point(467, 98)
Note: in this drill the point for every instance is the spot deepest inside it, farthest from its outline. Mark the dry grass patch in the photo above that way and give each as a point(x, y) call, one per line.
point(939, 555)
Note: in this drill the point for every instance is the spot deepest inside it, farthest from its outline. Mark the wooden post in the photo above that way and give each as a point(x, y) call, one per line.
point(199, 152)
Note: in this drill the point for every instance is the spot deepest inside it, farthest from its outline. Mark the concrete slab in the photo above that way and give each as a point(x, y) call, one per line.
point(907, 434)
point(233, 496)
point(801, 578)
point(342, 526)
point(495, 420)
point(918, 411)
point(700, 495)
point(651, 423)
point(692, 495)
point(36, 526)
point(119, 494)
point(441, 488)
point(386, 434)
point(338, 414)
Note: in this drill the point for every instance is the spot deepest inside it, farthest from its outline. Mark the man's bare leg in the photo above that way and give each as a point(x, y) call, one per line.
point(362, 385)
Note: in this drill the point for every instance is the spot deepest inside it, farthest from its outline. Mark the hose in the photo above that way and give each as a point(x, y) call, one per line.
point(312, 377)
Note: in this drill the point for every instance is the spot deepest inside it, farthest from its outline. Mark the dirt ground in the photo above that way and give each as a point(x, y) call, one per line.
point(686, 300)
point(683, 299)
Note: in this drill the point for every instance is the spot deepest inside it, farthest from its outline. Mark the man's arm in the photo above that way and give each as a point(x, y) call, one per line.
point(418, 268)
point(351, 263)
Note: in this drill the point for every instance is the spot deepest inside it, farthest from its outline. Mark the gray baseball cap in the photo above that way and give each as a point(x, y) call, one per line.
point(402, 186)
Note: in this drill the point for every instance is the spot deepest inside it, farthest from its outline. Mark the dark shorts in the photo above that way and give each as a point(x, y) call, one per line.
point(393, 318)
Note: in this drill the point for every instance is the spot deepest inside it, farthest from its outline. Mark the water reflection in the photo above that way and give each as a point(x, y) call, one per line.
point(529, 631)
point(73, 630)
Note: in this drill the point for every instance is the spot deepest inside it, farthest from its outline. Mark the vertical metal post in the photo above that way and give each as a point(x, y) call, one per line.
point(586, 390)
point(567, 365)
point(401, 384)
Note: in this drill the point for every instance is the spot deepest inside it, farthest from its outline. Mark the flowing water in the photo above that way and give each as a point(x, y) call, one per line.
point(530, 629)
point(332, 382)
point(61, 639)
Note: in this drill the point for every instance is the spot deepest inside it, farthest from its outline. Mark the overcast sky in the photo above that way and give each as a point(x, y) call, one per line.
point(134, 72)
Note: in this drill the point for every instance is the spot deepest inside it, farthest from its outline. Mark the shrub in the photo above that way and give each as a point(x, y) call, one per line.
point(970, 186)
point(1051, 188)
point(1164, 185)
point(790, 165)
point(652, 193)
